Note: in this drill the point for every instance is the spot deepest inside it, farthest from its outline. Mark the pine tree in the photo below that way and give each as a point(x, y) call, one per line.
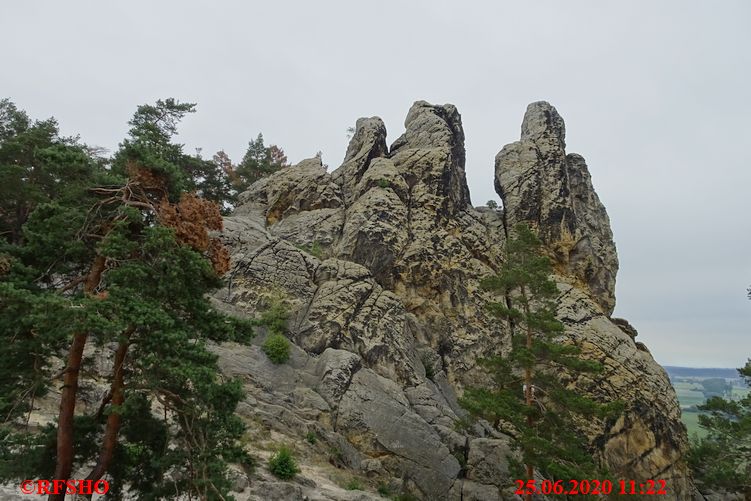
point(130, 261)
point(37, 165)
point(210, 182)
point(525, 397)
point(259, 161)
point(722, 459)
point(43, 182)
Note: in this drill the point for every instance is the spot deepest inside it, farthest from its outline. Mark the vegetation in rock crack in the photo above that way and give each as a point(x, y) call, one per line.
point(283, 464)
point(384, 183)
point(428, 364)
point(524, 396)
point(461, 458)
point(276, 347)
point(315, 249)
point(354, 484)
point(722, 459)
point(311, 437)
point(336, 457)
point(384, 490)
point(114, 253)
point(274, 316)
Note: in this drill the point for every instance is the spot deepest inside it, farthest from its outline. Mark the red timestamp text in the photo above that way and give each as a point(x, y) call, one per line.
point(591, 487)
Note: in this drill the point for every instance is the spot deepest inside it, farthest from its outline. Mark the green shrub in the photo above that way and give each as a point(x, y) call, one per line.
point(275, 316)
point(276, 347)
point(353, 485)
point(283, 465)
point(492, 204)
point(311, 438)
point(384, 490)
point(384, 183)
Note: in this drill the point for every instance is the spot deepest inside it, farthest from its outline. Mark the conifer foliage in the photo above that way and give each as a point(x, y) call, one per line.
point(722, 460)
point(120, 257)
point(525, 397)
point(259, 161)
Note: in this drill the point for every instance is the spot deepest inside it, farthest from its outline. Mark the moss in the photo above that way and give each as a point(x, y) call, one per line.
point(315, 249)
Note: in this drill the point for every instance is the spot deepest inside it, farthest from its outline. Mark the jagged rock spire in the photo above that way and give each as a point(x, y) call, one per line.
point(368, 142)
point(543, 186)
point(431, 151)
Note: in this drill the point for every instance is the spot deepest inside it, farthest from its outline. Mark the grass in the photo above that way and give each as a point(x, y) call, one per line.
point(384, 490)
point(311, 438)
point(313, 249)
point(354, 485)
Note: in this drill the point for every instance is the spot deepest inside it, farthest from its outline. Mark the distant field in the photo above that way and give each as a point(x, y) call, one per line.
point(688, 388)
point(688, 394)
point(691, 420)
point(739, 393)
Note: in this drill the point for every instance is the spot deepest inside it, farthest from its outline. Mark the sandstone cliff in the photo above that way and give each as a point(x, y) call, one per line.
point(380, 263)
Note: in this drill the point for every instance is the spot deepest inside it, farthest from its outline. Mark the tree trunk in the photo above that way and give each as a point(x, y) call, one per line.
point(117, 390)
point(528, 384)
point(66, 415)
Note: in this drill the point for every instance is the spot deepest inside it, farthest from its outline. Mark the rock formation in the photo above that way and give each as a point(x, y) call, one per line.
point(380, 263)
point(544, 187)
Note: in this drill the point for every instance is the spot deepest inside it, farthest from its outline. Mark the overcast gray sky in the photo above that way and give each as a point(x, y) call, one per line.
point(655, 95)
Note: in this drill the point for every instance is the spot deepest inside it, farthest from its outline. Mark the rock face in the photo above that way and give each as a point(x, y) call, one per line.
point(544, 187)
point(380, 263)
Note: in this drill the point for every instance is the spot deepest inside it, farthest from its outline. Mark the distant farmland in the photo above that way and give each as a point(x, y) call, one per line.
point(687, 382)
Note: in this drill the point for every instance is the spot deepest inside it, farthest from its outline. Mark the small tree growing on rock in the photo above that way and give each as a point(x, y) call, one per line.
point(525, 397)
